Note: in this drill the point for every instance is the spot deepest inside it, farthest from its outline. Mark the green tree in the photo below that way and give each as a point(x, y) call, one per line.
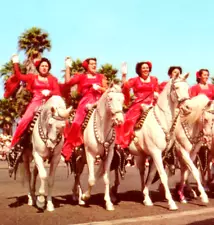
point(7, 70)
point(8, 113)
point(33, 42)
point(110, 72)
point(18, 102)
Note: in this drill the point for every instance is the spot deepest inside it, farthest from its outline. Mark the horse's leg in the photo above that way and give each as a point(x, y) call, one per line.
point(184, 178)
point(145, 189)
point(195, 173)
point(107, 164)
point(33, 182)
point(114, 188)
point(77, 190)
point(40, 202)
point(157, 158)
point(27, 176)
point(91, 176)
point(53, 165)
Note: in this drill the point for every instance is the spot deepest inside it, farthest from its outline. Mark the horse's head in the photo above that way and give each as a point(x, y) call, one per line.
point(115, 101)
point(55, 120)
point(179, 91)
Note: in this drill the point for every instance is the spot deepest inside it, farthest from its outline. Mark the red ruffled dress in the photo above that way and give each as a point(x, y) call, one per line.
point(73, 132)
point(196, 90)
point(143, 94)
point(35, 86)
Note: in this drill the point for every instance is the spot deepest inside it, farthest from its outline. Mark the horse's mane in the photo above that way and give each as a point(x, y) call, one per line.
point(197, 105)
point(54, 101)
point(112, 88)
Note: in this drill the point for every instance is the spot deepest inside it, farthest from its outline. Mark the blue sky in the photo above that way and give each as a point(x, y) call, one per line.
point(166, 32)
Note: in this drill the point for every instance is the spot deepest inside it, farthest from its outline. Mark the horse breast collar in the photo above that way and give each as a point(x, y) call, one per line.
point(106, 143)
point(45, 137)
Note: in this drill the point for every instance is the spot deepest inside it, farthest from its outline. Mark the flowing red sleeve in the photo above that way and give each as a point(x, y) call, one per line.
point(11, 85)
point(126, 90)
point(65, 87)
point(156, 85)
point(19, 75)
point(162, 86)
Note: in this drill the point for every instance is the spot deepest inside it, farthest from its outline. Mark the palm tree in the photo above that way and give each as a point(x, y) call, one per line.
point(7, 70)
point(34, 42)
point(110, 72)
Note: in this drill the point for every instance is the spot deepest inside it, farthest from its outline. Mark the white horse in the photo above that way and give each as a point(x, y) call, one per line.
point(99, 139)
point(157, 133)
point(47, 140)
point(192, 132)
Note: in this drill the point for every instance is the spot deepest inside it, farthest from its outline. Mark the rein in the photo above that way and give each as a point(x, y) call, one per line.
point(168, 134)
point(105, 143)
point(44, 136)
point(194, 141)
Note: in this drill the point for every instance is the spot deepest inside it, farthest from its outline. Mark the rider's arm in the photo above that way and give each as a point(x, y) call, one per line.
point(126, 90)
point(19, 75)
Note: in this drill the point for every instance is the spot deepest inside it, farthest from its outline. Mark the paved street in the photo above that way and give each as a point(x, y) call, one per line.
point(130, 210)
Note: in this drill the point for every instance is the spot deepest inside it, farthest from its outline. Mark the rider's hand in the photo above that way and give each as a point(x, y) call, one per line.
point(96, 87)
point(46, 92)
point(15, 58)
point(124, 68)
point(156, 94)
point(68, 62)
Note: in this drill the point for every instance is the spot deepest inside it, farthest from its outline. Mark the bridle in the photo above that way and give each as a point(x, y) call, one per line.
point(44, 136)
point(108, 141)
point(173, 90)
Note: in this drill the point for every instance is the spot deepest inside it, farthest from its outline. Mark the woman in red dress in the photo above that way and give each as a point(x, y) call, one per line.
point(42, 86)
point(172, 72)
point(91, 85)
point(202, 86)
point(145, 90)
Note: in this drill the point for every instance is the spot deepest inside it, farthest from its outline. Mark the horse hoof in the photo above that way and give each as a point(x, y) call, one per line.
point(74, 198)
point(148, 202)
point(30, 202)
point(183, 201)
point(81, 202)
point(40, 202)
point(114, 199)
point(193, 195)
point(205, 200)
point(50, 207)
point(173, 207)
point(85, 197)
point(109, 207)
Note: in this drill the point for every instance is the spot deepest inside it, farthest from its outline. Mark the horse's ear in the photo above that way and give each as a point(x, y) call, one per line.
point(176, 76)
point(111, 84)
point(53, 110)
point(186, 76)
point(209, 104)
